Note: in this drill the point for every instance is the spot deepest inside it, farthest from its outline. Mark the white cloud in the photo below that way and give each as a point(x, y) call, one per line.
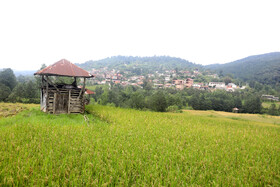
point(36, 32)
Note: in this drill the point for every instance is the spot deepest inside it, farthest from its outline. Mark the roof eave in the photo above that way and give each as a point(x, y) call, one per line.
point(58, 75)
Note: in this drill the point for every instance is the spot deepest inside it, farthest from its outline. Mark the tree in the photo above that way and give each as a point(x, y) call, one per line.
point(43, 66)
point(25, 92)
point(194, 102)
point(147, 85)
point(227, 80)
point(158, 102)
point(252, 84)
point(237, 102)
point(221, 74)
point(204, 102)
point(4, 92)
point(8, 78)
point(258, 86)
point(113, 97)
point(252, 105)
point(31, 90)
point(98, 93)
point(137, 101)
point(104, 98)
point(18, 93)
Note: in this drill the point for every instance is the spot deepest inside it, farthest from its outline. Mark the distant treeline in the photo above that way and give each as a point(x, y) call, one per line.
point(23, 89)
point(174, 100)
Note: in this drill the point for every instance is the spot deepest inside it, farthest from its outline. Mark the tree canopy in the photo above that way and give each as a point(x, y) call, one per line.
point(8, 78)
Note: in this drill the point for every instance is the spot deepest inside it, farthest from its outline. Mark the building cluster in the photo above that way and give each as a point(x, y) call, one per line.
point(230, 87)
point(165, 79)
point(270, 98)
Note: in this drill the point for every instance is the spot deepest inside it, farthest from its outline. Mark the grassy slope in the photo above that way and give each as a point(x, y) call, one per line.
point(137, 148)
point(267, 104)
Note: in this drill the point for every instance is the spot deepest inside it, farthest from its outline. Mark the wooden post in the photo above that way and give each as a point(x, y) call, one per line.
point(42, 93)
point(54, 102)
point(51, 83)
point(47, 92)
point(69, 101)
point(75, 80)
point(42, 82)
point(83, 98)
point(82, 91)
point(84, 85)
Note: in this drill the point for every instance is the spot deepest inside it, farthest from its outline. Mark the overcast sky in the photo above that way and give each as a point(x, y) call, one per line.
point(204, 32)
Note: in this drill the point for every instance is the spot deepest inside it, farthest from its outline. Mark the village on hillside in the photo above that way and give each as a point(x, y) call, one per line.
point(165, 79)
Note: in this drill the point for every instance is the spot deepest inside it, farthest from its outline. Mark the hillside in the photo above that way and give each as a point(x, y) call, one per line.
point(125, 147)
point(263, 68)
point(147, 64)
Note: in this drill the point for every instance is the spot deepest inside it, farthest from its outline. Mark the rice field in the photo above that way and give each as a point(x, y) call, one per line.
point(262, 118)
point(112, 146)
point(10, 109)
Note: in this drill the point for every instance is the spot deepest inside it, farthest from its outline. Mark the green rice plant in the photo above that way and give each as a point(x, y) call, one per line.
point(238, 118)
point(187, 149)
point(212, 116)
point(127, 147)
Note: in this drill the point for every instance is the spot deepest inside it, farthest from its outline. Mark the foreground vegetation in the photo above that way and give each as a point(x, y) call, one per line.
point(128, 147)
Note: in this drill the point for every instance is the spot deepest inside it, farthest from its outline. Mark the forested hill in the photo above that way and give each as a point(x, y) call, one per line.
point(263, 68)
point(145, 63)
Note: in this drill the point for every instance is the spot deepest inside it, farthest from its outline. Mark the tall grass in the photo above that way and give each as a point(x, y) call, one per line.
point(128, 147)
point(184, 149)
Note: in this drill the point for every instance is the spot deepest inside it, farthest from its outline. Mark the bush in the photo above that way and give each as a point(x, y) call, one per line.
point(173, 108)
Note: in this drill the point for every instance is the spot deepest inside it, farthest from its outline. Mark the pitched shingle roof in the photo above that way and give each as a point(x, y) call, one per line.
point(64, 68)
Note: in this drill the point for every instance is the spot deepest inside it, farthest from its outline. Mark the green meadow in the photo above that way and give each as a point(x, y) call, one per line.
point(267, 104)
point(112, 146)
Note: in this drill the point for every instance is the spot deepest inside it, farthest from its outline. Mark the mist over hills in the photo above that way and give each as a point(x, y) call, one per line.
point(24, 72)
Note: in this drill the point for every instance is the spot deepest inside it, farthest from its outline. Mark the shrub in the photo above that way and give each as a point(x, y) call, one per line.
point(173, 108)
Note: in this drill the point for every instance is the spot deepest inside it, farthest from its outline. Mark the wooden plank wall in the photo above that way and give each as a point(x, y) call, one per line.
point(75, 100)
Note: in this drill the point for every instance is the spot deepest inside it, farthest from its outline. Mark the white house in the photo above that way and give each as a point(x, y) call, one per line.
point(196, 86)
point(219, 85)
point(167, 78)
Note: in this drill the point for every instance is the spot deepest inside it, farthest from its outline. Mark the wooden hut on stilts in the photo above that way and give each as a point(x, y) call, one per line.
point(62, 98)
